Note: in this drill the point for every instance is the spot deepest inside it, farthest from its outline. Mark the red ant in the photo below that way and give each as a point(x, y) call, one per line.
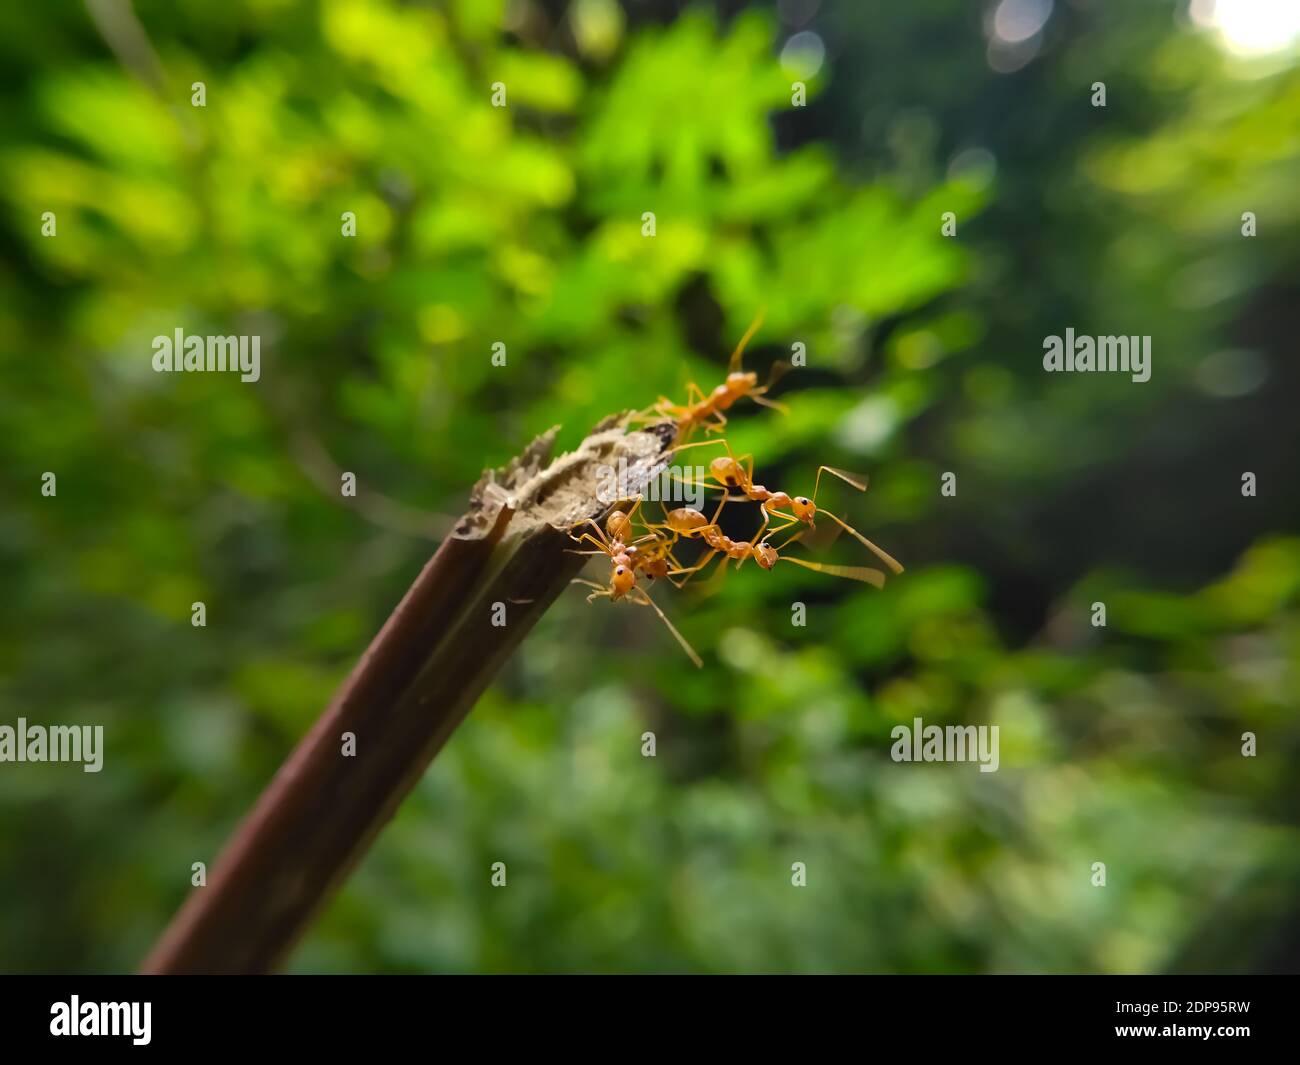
point(730, 472)
point(651, 553)
point(690, 523)
point(706, 410)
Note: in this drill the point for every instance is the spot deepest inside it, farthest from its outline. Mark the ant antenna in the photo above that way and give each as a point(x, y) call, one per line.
point(734, 365)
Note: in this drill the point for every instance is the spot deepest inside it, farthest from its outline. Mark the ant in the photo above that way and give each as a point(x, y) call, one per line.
point(707, 410)
point(732, 473)
point(690, 522)
point(651, 553)
point(768, 556)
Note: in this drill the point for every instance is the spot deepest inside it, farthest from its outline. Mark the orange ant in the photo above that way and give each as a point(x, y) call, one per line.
point(706, 410)
point(651, 553)
point(689, 522)
point(732, 473)
point(768, 556)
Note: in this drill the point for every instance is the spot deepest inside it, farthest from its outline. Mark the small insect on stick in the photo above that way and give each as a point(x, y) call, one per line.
point(767, 556)
point(651, 553)
point(729, 472)
point(701, 409)
point(691, 524)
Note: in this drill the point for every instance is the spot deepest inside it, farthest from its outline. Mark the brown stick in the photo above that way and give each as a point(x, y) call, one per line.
point(419, 678)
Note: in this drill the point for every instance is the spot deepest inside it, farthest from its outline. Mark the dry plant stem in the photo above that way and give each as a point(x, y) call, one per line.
point(419, 678)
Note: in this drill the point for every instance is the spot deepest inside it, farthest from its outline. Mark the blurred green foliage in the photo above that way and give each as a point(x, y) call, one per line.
point(523, 225)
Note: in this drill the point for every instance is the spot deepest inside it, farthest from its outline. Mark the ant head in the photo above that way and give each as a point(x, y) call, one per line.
point(618, 525)
point(765, 555)
point(726, 469)
point(622, 580)
point(803, 508)
point(741, 382)
point(656, 568)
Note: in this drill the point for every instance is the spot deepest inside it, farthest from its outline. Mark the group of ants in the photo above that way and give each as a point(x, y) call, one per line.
point(648, 553)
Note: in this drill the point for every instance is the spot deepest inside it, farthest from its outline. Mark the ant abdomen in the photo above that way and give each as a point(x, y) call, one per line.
point(685, 520)
point(618, 525)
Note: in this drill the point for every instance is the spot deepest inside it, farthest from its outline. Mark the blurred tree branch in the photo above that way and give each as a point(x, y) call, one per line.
point(415, 683)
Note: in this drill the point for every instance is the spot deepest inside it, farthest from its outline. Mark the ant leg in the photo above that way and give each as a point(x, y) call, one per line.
point(600, 538)
point(663, 409)
point(780, 408)
point(733, 365)
point(654, 413)
point(884, 556)
point(854, 573)
point(858, 482)
point(704, 443)
point(601, 590)
point(708, 475)
point(689, 573)
point(644, 599)
point(604, 545)
point(714, 584)
point(746, 463)
point(713, 521)
point(653, 526)
point(784, 517)
point(794, 536)
point(778, 371)
point(691, 481)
